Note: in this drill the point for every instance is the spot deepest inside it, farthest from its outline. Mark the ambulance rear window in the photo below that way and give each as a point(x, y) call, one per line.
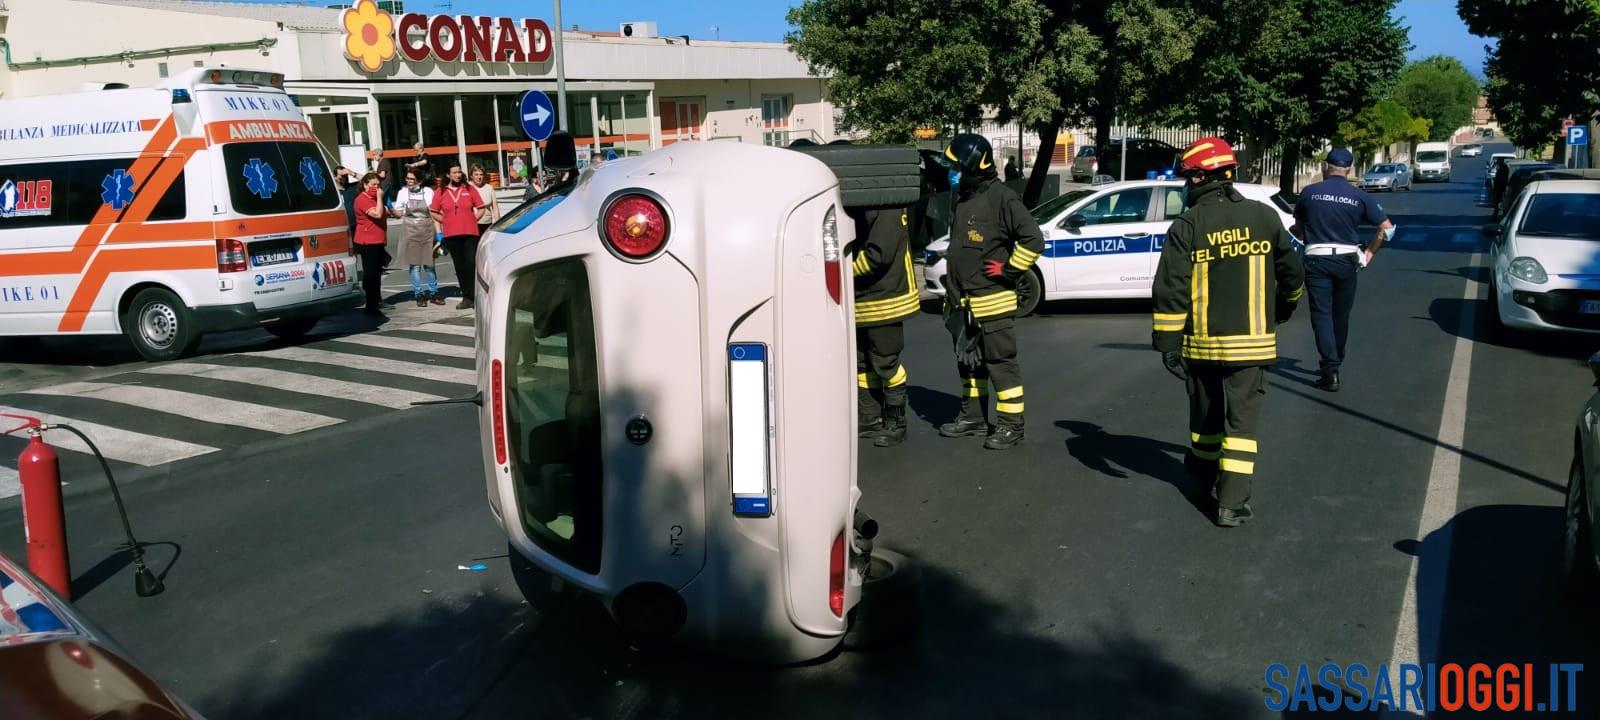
point(71, 192)
point(267, 178)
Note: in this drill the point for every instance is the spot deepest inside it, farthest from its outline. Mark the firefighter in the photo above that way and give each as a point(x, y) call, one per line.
point(994, 241)
point(886, 294)
point(1228, 262)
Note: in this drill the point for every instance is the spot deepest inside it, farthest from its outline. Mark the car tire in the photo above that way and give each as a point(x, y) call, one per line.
point(873, 176)
point(890, 610)
point(292, 329)
point(1030, 292)
point(1579, 574)
point(160, 325)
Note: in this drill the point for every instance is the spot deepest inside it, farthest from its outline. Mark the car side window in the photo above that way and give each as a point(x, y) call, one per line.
point(1172, 206)
point(1123, 206)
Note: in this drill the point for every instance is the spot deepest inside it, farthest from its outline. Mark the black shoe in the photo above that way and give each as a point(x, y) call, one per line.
point(373, 310)
point(464, 305)
point(894, 428)
point(1329, 382)
point(869, 429)
point(1234, 517)
point(1004, 438)
point(964, 428)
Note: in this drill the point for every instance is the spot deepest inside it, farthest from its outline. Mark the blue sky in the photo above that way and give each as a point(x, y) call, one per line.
point(1435, 28)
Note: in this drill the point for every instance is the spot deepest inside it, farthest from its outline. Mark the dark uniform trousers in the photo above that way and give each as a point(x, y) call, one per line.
point(1224, 406)
point(880, 378)
point(1331, 283)
point(1000, 369)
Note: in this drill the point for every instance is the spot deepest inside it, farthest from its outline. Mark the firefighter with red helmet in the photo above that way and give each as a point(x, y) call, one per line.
point(1228, 275)
point(994, 241)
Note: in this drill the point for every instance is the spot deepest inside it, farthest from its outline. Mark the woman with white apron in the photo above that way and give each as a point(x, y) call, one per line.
point(418, 237)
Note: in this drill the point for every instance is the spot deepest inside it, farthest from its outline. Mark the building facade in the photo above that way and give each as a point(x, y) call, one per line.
point(375, 83)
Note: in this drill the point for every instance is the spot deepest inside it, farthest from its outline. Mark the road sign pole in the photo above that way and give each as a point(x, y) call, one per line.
point(561, 72)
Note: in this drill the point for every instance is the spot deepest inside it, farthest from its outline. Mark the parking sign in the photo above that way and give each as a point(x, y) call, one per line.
point(1578, 135)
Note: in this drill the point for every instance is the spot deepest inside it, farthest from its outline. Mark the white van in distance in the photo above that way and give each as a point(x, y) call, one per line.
point(1431, 162)
point(201, 205)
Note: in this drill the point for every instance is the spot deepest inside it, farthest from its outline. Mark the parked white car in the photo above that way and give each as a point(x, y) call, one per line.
point(1100, 242)
point(1545, 272)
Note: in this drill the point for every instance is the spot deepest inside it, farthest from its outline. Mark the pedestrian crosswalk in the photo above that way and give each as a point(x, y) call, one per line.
point(159, 414)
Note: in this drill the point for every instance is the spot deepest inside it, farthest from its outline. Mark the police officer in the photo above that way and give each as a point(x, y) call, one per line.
point(993, 242)
point(886, 294)
point(1326, 219)
point(1227, 264)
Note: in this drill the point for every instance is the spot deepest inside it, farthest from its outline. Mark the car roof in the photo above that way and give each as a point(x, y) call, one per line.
point(1560, 173)
point(1570, 187)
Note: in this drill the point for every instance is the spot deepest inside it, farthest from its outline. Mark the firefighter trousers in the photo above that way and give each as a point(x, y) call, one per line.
point(1224, 406)
point(880, 378)
point(1000, 369)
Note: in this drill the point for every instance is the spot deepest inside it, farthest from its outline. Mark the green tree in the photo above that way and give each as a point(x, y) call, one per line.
point(1544, 66)
point(1379, 126)
point(1440, 89)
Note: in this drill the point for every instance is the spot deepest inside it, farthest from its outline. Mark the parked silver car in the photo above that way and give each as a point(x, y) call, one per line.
point(1387, 176)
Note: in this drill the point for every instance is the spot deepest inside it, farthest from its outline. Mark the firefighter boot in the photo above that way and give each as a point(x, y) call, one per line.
point(894, 427)
point(1234, 517)
point(1005, 437)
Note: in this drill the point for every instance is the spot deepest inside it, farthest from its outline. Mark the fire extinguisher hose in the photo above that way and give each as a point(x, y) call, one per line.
point(146, 583)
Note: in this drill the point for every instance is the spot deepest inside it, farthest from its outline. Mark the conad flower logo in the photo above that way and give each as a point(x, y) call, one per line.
point(368, 35)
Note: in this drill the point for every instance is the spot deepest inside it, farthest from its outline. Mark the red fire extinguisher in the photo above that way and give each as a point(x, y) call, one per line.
point(43, 517)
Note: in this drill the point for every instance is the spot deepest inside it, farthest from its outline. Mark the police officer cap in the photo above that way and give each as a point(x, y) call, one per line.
point(1340, 157)
point(970, 154)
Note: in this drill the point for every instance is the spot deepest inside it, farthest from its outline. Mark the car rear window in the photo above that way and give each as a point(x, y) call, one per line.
point(1567, 215)
point(1086, 151)
point(267, 178)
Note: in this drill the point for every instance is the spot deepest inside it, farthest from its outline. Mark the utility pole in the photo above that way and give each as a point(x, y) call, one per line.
point(561, 71)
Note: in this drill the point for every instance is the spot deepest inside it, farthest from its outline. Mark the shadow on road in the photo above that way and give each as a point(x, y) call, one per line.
point(934, 407)
point(1447, 313)
point(1098, 450)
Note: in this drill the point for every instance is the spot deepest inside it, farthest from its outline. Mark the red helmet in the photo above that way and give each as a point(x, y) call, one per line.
point(1207, 155)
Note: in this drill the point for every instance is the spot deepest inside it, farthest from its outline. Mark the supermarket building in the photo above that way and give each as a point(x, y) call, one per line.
point(371, 76)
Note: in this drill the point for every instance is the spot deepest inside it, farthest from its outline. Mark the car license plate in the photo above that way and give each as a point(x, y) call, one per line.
point(1589, 307)
point(752, 437)
point(273, 257)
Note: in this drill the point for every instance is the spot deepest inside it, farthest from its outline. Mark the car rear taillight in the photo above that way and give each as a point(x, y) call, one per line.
point(836, 576)
point(635, 226)
point(497, 410)
point(230, 256)
point(830, 254)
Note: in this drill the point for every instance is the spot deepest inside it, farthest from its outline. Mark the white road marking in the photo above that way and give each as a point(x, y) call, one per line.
point(1444, 481)
point(383, 365)
point(10, 482)
point(408, 345)
point(206, 408)
point(388, 397)
point(115, 443)
point(446, 329)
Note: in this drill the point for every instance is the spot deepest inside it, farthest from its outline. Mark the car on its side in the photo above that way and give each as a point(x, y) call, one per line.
point(1100, 242)
point(1580, 562)
point(1545, 258)
point(1386, 176)
point(1471, 150)
point(1144, 156)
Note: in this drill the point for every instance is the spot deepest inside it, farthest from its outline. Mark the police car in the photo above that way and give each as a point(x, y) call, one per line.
point(1100, 242)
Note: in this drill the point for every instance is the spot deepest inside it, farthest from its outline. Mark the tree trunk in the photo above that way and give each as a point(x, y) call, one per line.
point(1289, 169)
point(1102, 130)
point(1048, 134)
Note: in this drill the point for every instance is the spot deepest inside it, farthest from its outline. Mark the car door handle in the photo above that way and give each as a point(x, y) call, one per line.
point(1135, 236)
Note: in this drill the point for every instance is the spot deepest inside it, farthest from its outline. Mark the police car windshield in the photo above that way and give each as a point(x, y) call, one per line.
point(1053, 207)
point(1564, 215)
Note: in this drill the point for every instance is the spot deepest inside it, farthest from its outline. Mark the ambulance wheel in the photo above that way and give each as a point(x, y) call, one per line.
point(160, 325)
point(890, 608)
point(1030, 292)
point(292, 329)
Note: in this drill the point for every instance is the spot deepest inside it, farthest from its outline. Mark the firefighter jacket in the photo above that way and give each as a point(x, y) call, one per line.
point(1227, 272)
point(991, 223)
point(886, 290)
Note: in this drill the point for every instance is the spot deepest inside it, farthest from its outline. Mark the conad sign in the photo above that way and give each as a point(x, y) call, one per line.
point(372, 37)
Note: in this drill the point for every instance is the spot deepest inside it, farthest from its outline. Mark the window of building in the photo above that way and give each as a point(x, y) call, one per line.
point(481, 139)
point(161, 69)
point(681, 119)
point(775, 120)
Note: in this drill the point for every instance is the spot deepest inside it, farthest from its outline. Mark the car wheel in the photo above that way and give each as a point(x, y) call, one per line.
point(160, 326)
point(890, 609)
point(1030, 292)
point(292, 329)
point(1580, 576)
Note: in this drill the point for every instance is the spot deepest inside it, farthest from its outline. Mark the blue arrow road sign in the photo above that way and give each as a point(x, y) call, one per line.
point(537, 115)
point(1578, 135)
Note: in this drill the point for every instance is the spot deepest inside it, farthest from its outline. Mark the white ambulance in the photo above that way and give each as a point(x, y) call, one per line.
point(202, 205)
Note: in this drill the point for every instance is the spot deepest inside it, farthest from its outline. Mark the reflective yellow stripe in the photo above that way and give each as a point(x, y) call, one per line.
point(1298, 293)
point(1242, 467)
point(1025, 253)
point(1205, 454)
point(1230, 341)
point(1160, 326)
point(1198, 438)
point(899, 376)
point(1255, 298)
point(1197, 148)
point(881, 303)
point(976, 387)
point(866, 380)
point(1008, 408)
point(1240, 444)
point(1171, 317)
point(1200, 298)
point(1229, 356)
point(1009, 393)
point(985, 301)
point(861, 266)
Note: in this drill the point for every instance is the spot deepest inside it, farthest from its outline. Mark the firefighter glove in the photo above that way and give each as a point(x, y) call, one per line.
point(994, 269)
point(1284, 311)
point(1174, 362)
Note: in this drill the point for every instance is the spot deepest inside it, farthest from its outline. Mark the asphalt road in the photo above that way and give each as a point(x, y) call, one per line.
point(1072, 577)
